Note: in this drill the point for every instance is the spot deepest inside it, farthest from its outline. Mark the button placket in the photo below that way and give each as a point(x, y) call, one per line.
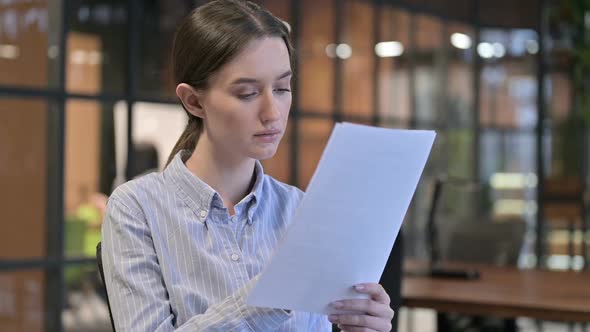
point(234, 253)
point(233, 250)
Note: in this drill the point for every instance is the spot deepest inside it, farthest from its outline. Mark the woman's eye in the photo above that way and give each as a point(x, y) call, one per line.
point(283, 90)
point(246, 95)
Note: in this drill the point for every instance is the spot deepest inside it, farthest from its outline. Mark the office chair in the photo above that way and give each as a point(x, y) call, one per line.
point(497, 243)
point(104, 285)
point(433, 236)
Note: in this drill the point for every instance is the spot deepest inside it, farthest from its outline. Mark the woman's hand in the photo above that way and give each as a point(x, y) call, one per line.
point(374, 314)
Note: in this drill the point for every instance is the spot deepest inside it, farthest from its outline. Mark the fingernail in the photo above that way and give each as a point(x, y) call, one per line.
point(337, 305)
point(359, 287)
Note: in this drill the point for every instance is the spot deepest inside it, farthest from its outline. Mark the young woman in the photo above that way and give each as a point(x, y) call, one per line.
point(182, 248)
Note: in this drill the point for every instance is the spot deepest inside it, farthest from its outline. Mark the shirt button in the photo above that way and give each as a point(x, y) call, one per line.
point(203, 213)
point(235, 257)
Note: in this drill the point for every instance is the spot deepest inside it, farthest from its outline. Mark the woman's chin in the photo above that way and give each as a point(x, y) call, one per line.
point(265, 154)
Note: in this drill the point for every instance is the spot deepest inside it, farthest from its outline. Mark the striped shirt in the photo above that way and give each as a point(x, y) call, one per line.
point(175, 260)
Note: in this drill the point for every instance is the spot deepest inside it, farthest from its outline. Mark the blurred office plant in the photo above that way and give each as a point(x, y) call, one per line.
point(569, 52)
point(569, 23)
point(569, 27)
point(82, 234)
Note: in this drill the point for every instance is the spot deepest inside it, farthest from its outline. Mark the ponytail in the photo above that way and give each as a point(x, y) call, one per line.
point(188, 139)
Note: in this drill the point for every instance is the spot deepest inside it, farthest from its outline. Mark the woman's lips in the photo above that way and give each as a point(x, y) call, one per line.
point(268, 137)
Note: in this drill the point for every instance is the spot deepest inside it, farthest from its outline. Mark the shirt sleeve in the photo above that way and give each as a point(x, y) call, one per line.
point(137, 293)
point(320, 322)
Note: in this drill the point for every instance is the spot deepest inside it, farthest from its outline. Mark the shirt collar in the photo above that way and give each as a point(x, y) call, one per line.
point(200, 197)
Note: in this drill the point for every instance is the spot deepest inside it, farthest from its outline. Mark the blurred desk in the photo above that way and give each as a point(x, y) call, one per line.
point(503, 292)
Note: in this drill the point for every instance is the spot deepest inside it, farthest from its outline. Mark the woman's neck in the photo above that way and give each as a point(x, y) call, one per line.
point(230, 177)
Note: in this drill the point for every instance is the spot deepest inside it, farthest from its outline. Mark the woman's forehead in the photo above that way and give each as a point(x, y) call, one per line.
point(261, 60)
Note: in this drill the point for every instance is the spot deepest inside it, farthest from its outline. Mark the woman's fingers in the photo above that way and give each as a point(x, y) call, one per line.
point(376, 291)
point(348, 328)
point(365, 306)
point(361, 321)
point(372, 314)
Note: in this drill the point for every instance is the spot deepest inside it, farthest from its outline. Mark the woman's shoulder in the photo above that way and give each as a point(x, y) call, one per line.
point(134, 193)
point(274, 186)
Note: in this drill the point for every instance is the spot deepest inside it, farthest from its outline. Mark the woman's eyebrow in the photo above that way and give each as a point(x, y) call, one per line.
point(242, 80)
point(285, 74)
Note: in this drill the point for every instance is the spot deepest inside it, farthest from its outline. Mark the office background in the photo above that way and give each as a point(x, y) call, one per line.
point(87, 102)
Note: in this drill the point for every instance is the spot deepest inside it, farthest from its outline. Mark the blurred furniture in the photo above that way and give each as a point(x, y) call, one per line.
point(469, 238)
point(433, 231)
point(101, 271)
point(503, 292)
point(565, 211)
point(495, 243)
point(145, 160)
point(483, 242)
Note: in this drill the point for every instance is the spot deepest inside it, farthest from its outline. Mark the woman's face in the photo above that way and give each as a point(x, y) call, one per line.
point(247, 102)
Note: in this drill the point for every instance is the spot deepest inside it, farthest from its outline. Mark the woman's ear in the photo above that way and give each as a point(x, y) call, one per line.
point(190, 98)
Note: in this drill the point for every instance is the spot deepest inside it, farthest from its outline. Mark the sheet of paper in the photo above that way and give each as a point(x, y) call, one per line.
point(347, 222)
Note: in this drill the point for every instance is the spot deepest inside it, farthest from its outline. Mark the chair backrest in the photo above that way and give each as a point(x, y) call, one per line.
point(104, 285)
point(488, 242)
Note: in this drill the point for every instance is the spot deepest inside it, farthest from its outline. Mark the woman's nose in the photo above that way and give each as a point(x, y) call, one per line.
point(269, 111)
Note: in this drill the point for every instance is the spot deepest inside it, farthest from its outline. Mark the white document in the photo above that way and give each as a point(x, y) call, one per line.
point(347, 222)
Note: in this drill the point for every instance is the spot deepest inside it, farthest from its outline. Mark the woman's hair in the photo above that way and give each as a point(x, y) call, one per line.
point(211, 36)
